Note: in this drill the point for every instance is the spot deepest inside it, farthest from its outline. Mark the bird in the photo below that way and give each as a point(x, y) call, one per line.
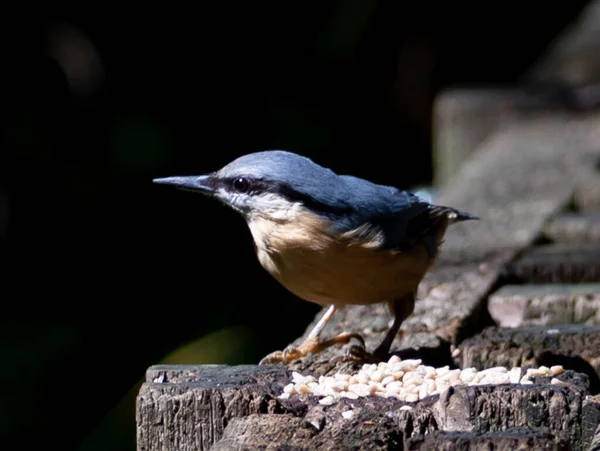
point(330, 239)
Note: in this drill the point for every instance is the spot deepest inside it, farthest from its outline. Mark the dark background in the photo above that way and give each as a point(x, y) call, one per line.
point(105, 273)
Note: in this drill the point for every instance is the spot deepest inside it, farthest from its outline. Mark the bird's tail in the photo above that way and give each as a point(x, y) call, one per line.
point(452, 214)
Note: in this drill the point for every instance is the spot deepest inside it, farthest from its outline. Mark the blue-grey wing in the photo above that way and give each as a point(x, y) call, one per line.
point(402, 218)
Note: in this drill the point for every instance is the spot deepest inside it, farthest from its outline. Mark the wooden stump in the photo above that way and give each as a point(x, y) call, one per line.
point(220, 407)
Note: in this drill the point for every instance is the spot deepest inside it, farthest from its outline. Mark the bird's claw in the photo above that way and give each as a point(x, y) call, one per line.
point(309, 346)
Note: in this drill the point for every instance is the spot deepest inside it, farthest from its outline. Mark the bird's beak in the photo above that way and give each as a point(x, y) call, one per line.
point(196, 183)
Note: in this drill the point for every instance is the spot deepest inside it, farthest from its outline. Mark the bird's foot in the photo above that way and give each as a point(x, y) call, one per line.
point(360, 355)
point(309, 346)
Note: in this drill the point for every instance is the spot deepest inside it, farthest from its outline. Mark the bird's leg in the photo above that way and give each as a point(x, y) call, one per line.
point(401, 309)
point(312, 344)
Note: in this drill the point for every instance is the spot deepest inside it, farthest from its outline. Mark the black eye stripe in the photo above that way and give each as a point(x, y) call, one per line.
point(259, 186)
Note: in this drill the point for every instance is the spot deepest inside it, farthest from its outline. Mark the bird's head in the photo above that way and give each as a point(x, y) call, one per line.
point(270, 184)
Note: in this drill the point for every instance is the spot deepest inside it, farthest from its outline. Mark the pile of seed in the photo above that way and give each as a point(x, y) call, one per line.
point(406, 380)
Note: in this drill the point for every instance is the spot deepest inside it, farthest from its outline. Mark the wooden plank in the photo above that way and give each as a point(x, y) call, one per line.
point(545, 305)
point(198, 408)
point(574, 228)
point(558, 263)
point(463, 118)
point(573, 346)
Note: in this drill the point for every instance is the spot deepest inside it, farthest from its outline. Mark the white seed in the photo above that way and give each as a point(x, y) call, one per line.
point(362, 377)
point(340, 385)
point(348, 414)
point(468, 374)
point(289, 389)
point(412, 397)
point(514, 375)
point(377, 376)
point(386, 380)
point(406, 408)
point(297, 377)
point(412, 378)
point(556, 381)
point(407, 380)
point(398, 375)
point(440, 386)
point(453, 375)
point(430, 372)
point(431, 386)
point(302, 388)
point(394, 359)
point(326, 401)
point(536, 372)
point(360, 389)
point(393, 386)
point(409, 365)
point(349, 395)
point(369, 368)
point(442, 371)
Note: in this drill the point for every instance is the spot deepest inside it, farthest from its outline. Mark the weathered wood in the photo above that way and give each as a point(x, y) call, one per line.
point(566, 75)
point(545, 305)
point(558, 263)
point(590, 420)
point(573, 346)
point(587, 193)
point(464, 118)
point(220, 407)
point(574, 228)
point(517, 439)
point(595, 445)
point(187, 407)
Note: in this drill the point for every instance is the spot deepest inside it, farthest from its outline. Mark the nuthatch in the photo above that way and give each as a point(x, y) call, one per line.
point(330, 239)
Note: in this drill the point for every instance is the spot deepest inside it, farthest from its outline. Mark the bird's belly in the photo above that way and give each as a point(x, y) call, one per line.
point(354, 275)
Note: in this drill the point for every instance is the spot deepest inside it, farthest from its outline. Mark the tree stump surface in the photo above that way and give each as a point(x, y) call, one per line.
point(237, 407)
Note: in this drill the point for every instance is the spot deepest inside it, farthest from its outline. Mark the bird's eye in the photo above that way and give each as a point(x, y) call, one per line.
point(241, 184)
